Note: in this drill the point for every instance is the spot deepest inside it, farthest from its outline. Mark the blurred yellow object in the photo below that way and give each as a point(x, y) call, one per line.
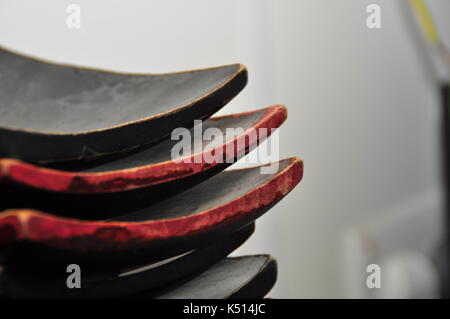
point(426, 20)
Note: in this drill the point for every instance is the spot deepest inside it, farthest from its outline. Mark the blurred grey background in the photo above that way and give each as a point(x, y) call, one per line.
point(363, 113)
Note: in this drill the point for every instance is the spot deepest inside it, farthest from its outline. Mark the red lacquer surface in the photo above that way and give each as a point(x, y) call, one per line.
point(54, 231)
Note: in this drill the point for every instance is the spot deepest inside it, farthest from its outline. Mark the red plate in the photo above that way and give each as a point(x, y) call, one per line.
point(221, 204)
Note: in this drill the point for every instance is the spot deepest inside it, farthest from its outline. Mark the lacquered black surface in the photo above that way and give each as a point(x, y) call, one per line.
point(245, 277)
point(162, 152)
point(20, 284)
point(51, 113)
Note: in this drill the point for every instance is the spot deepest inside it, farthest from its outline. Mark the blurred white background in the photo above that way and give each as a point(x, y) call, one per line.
point(363, 113)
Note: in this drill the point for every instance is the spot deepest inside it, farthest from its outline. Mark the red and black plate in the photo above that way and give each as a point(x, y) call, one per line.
point(151, 165)
point(222, 204)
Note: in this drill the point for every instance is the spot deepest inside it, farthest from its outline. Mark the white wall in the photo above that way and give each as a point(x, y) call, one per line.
point(362, 113)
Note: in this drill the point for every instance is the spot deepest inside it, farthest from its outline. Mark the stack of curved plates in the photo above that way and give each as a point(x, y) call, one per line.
point(98, 201)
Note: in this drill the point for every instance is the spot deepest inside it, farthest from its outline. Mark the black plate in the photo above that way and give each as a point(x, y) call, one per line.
point(246, 277)
point(151, 165)
point(29, 285)
point(51, 112)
